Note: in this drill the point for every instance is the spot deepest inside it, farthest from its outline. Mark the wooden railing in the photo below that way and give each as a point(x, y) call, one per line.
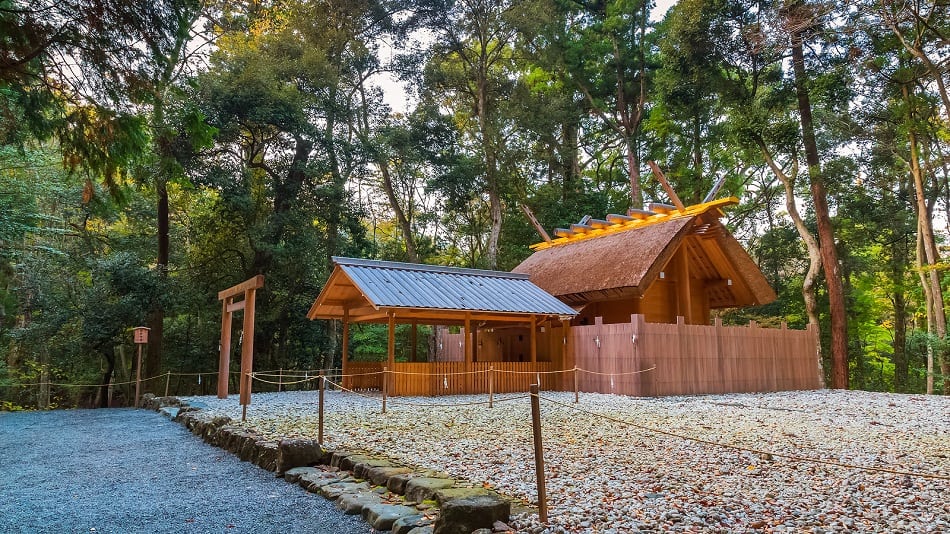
point(450, 378)
point(460, 378)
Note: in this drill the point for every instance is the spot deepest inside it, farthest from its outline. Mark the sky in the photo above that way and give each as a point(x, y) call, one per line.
point(394, 92)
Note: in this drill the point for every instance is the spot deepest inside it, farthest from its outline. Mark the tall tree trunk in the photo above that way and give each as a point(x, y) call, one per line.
point(928, 257)
point(811, 244)
point(900, 338)
point(102, 392)
point(404, 225)
point(491, 161)
point(156, 317)
point(826, 235)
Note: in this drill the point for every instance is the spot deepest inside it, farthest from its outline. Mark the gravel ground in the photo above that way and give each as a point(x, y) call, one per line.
point(135, 471)
point(604, 476)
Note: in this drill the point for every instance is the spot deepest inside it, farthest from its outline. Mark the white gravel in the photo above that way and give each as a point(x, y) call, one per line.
point(604, 476)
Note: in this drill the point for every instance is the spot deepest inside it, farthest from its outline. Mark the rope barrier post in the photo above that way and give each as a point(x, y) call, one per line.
point(385, 383)
point(138, 376)
point(280, 379)
point(247, 382)
point(538, 452)
point(168, 377)
point(491, 390)
point(320, 412)
point(576, 394)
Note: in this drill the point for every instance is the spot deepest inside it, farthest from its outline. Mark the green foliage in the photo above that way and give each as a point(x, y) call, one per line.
point(268, 145)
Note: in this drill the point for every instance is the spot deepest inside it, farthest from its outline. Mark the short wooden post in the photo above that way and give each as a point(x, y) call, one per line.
point(320, 412)
point(385, 386)
point(538, 452)
point(280, 379)
point(138, 377)
point(168, 377)
point(491, 389)
point(576, 389)
point(140, 337)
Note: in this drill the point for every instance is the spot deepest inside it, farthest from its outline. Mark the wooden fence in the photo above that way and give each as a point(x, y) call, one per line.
point(636, 358)
point(693, 359)
point(451, 378)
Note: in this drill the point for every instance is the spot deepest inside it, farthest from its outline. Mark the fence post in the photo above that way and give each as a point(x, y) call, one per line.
point(576, 394)
point(538, 453)
point(280, 380)
point(491, 390)
point(320, 416)
point(168, 377)
point(385, 384)
point(138, 376)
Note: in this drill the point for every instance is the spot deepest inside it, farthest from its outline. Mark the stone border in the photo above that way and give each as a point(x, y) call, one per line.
point(388, 495)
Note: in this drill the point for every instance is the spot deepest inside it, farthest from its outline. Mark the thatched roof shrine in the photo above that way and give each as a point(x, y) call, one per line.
point(666, 262)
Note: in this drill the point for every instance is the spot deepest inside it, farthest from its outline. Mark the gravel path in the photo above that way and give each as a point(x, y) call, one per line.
point(135, 471)
point(603, 476)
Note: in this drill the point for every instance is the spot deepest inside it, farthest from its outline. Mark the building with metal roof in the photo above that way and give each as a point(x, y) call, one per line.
point(370, 291)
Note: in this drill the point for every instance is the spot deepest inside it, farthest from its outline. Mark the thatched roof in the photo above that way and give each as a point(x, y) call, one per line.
point(626, 259)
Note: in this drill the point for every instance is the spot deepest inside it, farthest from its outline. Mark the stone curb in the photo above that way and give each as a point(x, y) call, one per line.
point(387, 495)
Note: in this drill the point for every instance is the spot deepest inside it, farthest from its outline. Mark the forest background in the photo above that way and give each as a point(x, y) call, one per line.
point(154, 153)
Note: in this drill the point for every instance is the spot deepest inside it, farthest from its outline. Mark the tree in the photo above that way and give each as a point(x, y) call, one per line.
point(799, 19)
point(603, 48)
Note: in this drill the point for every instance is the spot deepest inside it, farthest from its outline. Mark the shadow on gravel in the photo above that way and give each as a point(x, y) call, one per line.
point(123, 470)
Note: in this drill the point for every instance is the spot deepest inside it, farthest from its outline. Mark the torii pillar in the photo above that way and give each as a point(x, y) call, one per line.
point(228, 307)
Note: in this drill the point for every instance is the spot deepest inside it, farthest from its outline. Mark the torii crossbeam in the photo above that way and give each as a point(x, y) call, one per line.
point(228, 307)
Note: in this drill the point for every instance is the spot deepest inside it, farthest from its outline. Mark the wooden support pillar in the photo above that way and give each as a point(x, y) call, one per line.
point(413, 335)
point(533, 336)
point(683, 298)
point(345, 348)
point(568, 347)
point(247, 346)
point(475, 343)
point(467, 339)
point(391, 340)
point(224, 358)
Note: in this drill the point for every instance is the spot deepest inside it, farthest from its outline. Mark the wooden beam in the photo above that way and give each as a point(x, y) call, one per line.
point(236, 306)
point(614, 218)
point(381, 316)
point(666, 185)
point(252, 283)
point(534, 222)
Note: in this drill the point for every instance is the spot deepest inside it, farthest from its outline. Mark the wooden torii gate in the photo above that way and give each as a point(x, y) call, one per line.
point(228, 307)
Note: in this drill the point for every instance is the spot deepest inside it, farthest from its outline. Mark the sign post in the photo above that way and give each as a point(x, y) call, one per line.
point(140, 336)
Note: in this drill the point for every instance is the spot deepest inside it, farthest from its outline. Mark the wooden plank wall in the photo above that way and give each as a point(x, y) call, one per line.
point(693, 359)
point(360, 376)
point(459, 378)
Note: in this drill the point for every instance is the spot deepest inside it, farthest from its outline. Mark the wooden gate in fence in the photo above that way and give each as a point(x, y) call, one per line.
point(693, 359)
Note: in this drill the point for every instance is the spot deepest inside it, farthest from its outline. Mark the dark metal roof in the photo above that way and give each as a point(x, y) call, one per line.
point(413, 285)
